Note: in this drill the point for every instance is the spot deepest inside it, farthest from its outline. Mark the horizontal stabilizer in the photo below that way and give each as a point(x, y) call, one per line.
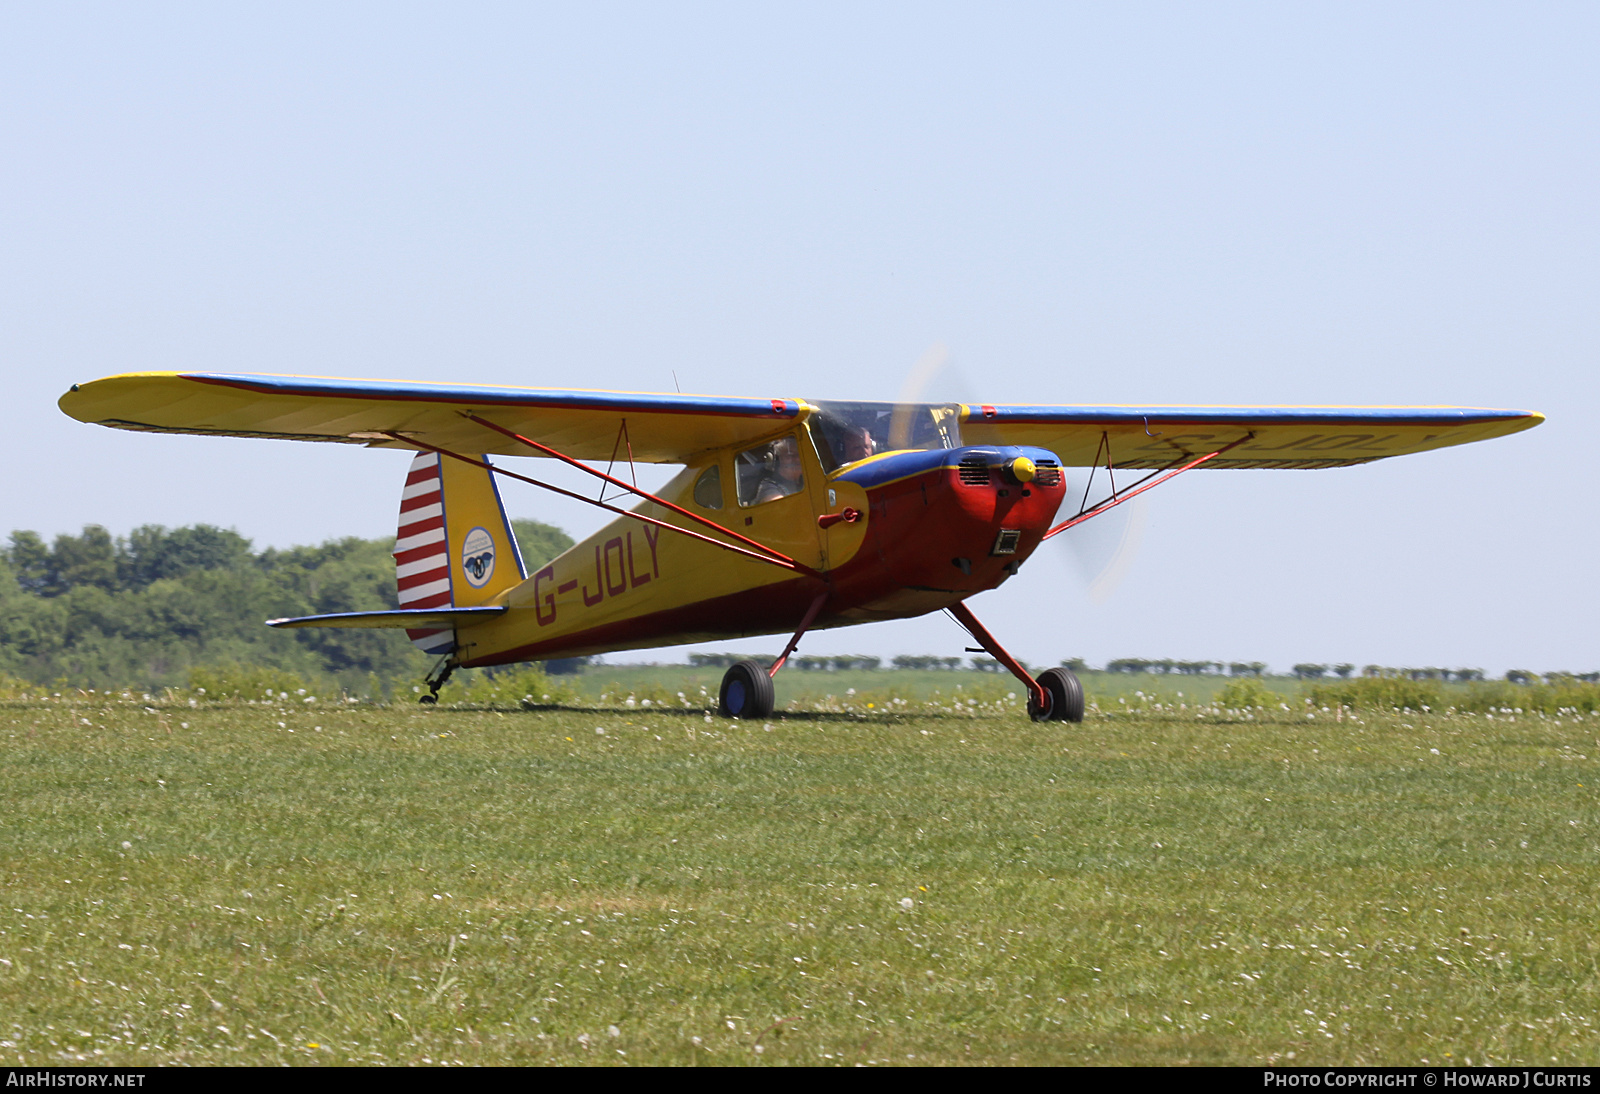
point(417, 617)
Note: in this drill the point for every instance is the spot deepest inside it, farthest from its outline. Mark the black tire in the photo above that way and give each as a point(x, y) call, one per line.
point(1066, 696)
point(746, 692)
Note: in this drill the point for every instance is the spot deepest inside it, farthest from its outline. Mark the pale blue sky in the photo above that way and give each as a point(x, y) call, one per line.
point(1239, 203)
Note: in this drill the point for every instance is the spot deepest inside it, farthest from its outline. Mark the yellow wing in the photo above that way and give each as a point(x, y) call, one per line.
point(1295, 436)
point(582, 424)
point(663, 428)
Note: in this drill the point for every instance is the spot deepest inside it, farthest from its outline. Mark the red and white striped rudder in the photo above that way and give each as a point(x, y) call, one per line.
point(422, 552)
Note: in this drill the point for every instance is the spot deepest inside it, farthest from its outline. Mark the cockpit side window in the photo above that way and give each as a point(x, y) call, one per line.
point(708, 488)
point(768, 472)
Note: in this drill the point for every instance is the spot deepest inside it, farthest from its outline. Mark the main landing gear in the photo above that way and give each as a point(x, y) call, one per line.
point(1057, 694)
point(1066, 696)
point(747, 690)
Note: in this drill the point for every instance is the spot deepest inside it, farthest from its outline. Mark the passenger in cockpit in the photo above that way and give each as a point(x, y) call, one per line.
point(786, 476)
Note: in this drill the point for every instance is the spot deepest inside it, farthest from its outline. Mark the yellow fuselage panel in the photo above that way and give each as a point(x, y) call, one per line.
point(629, 569)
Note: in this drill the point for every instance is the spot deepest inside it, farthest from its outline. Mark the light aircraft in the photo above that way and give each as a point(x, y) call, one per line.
point(788, 516)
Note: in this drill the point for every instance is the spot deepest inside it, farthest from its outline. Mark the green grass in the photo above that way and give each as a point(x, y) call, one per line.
point(665, 681)
point(236, 883)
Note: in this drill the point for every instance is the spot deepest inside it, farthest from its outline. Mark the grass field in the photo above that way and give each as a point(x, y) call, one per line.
point(315, 883)
point(622, 680)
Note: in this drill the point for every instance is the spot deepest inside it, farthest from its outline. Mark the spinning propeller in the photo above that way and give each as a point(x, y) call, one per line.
point(1099, 552)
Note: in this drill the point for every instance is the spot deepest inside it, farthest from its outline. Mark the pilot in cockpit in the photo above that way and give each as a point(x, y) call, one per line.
point(857, 444)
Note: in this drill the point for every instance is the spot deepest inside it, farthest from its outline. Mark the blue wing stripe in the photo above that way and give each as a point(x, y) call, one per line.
point(1241, 415)
point(505, 396)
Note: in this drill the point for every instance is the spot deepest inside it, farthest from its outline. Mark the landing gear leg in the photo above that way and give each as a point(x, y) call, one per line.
point(436, 680)
point(1055, 697)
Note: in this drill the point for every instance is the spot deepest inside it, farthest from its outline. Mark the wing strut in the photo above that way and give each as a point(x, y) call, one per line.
point(622, 435)
point(680, 510)
point(1154, 479)
point(770, 556)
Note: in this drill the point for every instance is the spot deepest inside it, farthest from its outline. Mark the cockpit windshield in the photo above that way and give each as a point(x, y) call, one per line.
point(847, 432)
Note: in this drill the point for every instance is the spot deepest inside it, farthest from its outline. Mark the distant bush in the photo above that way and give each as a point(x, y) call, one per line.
point(520, 685)
point(1379, 693)
point(1570, 677)
point(1245, 693)
point(843, 663)
point(926, 661)
point(1458, 675)
point(1166, 665)
point(726, 660)
point(13, 688)
point(1565, 694)
point(246, 682)
point(538, 543)
point(989, 664)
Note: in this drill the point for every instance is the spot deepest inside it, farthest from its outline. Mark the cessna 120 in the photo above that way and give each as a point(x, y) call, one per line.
point(788, 516)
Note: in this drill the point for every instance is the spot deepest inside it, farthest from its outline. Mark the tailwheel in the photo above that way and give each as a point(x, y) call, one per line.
point(746, 692)
point(1066, 697)
point(436, 680)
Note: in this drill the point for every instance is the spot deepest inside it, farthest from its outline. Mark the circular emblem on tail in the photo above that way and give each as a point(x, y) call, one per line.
point(477, 557)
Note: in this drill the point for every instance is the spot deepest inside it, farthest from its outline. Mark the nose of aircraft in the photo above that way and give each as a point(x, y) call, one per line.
point(958, 520)
point(996, 504)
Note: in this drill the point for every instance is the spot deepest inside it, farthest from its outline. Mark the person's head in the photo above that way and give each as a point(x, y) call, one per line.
point(789, 462)
point(858, 444)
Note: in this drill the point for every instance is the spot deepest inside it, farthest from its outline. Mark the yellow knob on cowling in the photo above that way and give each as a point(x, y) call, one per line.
point(1021, 469)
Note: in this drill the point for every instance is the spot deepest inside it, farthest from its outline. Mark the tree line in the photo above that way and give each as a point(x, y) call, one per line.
point(97, 610)
point(1252, 669)
point(145, 609)
point(1187, 668)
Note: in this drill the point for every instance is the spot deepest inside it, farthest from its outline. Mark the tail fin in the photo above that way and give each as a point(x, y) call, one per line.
point(455, 547)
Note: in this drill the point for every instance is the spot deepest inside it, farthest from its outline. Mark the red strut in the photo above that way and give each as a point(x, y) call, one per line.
point(810, 618)
point(1115, 500)
point(680, 510)
point(964, 616)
